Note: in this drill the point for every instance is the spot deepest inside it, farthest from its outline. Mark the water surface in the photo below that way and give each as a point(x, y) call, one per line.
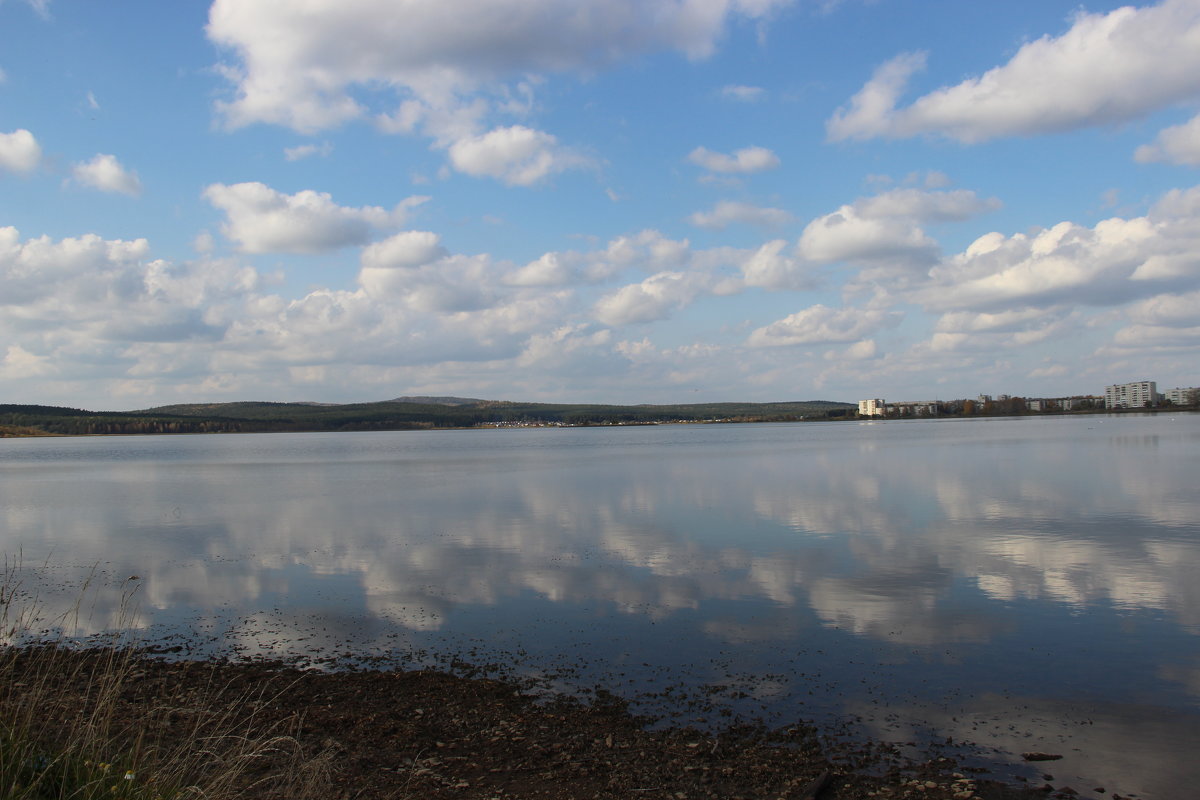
point(1021, 584)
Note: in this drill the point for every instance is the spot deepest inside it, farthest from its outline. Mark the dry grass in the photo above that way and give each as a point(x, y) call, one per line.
point(82, 725)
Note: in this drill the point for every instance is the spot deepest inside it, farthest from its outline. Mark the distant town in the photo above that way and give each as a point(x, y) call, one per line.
point(1139, 394)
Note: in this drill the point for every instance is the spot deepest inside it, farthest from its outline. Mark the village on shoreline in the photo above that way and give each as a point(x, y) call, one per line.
point(1136, 396)
point(440, 413)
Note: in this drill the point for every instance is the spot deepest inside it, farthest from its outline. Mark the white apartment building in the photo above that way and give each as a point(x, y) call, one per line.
point(872, 408)
point(1131, 395)
point(1181, 397)
point(1069, 403)
point(916, 407)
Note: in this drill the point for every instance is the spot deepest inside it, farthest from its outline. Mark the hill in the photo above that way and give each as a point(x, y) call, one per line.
point(404, 413)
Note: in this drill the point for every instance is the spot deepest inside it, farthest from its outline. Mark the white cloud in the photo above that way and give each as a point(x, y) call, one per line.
point(769, 268)
point(1157, 337)
point(408, 249)
point(260, 219)
point(106, 174)
point(884, 229)
point(860, 351)
point(1115, 262)
point(871, 109)
point(203, 243)
point(742, 162)
point(303, 151)
point(847, 235)
point(517, 155)
point(1107, 68)
point(652, 299)
point(19, 363)
point(728, 212)
point(302, 65)
point(1179, 144)
point(820, 325)
point(1168, 310)
point(95, 309)
point(36, 269)
point(19, 151)
point(550, 269)
point(1000, 322)
point(743, 94)
point(926, 206)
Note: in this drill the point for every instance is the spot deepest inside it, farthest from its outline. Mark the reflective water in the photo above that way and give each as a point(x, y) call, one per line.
point(1022, 584)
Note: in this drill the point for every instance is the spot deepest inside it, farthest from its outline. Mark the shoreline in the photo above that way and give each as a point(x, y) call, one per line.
point(427, 733)
point(27, 432)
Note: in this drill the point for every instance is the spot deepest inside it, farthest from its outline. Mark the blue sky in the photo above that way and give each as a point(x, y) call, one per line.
point(596, 200)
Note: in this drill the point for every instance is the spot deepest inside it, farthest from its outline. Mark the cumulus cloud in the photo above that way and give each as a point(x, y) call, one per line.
point(1107, 68)
point(1157, 337)
point(302, 66)
point(408, 249)
point(885, 228)
point(741, 162)
point(771, 268)
point(859, 351)
point(106, 174)
point(260, 219)
point(1000, 322)
point(849, 235)
point(90, 308)
point(729, 212)
point(517, 155)
point(36, 269)
point(549, 269)
point(1168, 310)
point(19, 151)
point(1112, 263)
point(820, 324)
point(652, 299)
point(429, 284)
point(1179, 144)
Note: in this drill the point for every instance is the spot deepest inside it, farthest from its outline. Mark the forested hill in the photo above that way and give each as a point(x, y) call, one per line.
point(403, 413)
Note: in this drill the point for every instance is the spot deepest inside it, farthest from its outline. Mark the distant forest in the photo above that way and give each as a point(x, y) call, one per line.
point(390, 415)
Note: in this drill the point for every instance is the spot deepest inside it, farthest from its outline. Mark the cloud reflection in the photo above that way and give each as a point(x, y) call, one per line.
point(871, 537)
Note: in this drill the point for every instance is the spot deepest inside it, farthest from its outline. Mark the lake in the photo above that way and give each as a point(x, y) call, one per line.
point(1023, 584)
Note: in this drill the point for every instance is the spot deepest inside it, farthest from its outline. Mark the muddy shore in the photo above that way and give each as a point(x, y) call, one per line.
point(428, 734)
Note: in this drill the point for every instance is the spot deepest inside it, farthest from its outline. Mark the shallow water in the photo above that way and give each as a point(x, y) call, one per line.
point(1020, 584)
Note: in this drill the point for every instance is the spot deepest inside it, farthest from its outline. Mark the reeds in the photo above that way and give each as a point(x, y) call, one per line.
point(102, 722)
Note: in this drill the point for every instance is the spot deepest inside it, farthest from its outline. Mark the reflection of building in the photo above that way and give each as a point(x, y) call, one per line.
point(872, 408)
point(1141, 394)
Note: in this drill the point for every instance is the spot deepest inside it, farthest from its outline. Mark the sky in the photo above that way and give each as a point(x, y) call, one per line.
point(623, 201)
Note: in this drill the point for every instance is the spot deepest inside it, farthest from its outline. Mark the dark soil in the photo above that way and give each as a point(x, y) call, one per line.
point(423, 734)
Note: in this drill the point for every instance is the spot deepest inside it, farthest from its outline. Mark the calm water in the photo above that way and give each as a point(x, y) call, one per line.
point(1022, 584)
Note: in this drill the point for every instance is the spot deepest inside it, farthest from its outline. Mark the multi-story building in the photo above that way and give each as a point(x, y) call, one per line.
point(915, 408)
point(872, 408)
point(1182, 397)
point(1086, 401)
point(1141, 394)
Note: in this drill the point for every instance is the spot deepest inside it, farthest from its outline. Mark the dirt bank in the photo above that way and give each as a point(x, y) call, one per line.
point(422, 734)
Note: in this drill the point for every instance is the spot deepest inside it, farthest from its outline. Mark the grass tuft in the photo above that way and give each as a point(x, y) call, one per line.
point(86, 723)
